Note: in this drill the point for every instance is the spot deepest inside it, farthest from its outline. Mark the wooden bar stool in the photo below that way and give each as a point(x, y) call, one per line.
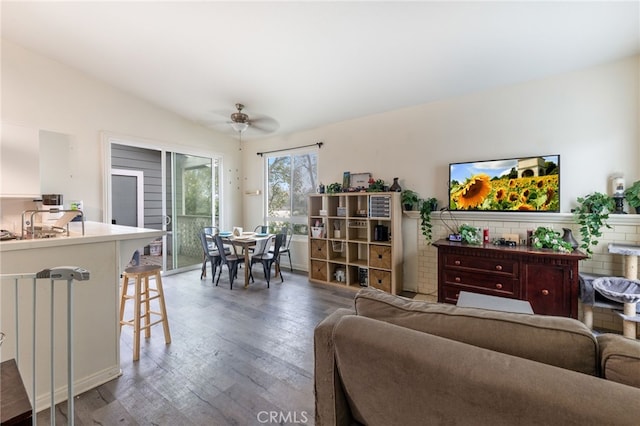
point(142, 295)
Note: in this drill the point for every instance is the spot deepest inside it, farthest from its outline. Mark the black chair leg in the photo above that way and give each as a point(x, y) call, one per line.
point(267, 272)
point(279, 269)
point(232, 274)
point(204, 268)
point(213, 271)
point(219, 273)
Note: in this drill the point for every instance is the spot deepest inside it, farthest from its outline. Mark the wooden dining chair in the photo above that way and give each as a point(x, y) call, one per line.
point(267, 258)
point(231, 260)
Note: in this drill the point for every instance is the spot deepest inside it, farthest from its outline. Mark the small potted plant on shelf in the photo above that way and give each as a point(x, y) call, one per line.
point(592, 214)
point(376, 185)
point(632, 195)
point(544, 237)
point(333, 188)
point(409, 199)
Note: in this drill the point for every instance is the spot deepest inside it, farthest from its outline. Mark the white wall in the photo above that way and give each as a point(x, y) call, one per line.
point(589, 117)
point(43, 94)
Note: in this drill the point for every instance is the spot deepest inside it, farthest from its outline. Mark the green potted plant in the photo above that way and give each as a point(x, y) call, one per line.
point(544, 237)
point(376, 185)
point(592, 214)
point(632, 195)
point(409, 199)
point(333, 188)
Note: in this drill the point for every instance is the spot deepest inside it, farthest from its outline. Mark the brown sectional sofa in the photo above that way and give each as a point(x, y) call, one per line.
point(395, 361)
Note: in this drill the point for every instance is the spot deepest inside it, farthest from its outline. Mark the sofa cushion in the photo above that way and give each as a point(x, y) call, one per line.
point(620, 359)
point(396, 376)
point(559, 341)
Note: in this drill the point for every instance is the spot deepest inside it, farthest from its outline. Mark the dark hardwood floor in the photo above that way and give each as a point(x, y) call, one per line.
point(237, 357)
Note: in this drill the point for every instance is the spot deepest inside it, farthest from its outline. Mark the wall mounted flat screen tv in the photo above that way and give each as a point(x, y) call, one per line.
point(515, 184)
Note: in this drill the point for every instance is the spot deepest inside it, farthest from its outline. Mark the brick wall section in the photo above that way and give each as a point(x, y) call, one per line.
point(624, 229)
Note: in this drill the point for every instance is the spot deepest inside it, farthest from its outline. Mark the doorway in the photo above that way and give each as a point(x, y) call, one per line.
point(127, 197)
point(180, 193)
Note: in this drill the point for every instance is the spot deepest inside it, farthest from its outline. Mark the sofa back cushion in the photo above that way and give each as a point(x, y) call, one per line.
point(559, 341)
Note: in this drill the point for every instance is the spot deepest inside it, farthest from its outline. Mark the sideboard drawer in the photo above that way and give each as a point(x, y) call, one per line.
point(503, 266)
point(500, 285)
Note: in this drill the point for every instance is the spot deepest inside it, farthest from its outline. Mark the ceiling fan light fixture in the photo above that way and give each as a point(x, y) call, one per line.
point(239, 127)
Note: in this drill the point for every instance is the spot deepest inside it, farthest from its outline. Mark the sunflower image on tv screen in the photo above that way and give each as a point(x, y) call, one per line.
point(520, 184)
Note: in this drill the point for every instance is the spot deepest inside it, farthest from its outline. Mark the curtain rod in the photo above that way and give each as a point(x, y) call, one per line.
point(319, 144)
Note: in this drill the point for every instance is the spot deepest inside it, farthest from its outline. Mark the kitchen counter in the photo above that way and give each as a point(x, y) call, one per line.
point(93, 232)
point(104, 251)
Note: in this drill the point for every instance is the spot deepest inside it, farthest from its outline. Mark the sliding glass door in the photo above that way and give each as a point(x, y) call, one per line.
point(180, 196)
point(191, 204)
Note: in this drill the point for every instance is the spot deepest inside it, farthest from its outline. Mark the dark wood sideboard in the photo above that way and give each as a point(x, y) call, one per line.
point(545, 278)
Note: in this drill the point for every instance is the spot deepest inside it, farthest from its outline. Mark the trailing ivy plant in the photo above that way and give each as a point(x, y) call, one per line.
point(592, 214)
point(548, 238)
point(469, 234)
point(425, 220)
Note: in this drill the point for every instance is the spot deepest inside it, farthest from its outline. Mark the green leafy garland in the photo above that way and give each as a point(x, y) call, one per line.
point(469, 234)
point(544, 237)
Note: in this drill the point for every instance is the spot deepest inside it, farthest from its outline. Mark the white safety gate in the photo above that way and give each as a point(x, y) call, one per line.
point(21, 283)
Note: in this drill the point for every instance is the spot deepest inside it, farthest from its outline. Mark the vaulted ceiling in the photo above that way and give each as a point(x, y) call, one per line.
point(301, 65)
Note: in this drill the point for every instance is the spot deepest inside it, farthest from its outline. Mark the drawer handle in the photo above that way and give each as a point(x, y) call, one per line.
point(498, 267)
point(545, 292)
point(379, 281)
point(499, 286)
point(379, 256)
point(457, 263)
point(457, 279)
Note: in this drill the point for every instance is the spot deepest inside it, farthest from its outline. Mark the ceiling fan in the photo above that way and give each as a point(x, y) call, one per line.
point(240, 122)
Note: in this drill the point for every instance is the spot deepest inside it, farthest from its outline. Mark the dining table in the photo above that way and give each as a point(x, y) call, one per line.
point(245, 241)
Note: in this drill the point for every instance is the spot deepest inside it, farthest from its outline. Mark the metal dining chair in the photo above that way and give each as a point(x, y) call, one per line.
point(231, 260)
point(260, 229)
point(211, 254)
point(267, 259)
point(284, 248)
point(209, 250)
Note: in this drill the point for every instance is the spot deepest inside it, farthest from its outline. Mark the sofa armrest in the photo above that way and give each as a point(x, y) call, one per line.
point(330, 401)
point(620, 359)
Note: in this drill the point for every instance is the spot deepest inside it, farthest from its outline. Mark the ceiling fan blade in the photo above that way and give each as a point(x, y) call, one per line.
point(264, 124)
